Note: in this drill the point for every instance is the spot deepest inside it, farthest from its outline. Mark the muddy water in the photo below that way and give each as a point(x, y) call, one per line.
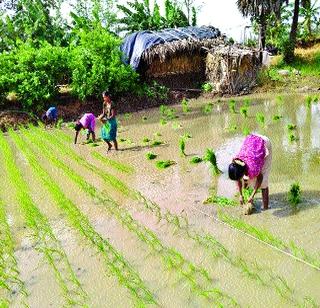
point(181, 189)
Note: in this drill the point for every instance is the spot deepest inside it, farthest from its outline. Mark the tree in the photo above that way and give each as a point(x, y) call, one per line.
point(259, 10)
point(310, 14)
point(190, 7)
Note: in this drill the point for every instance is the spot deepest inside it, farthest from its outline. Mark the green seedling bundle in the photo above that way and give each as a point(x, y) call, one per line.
point(210, 157)
point(294, 195)
point(185, 106)
point(220, 201)
point(163, 164)
point(182, 146)
point(151, 155)
point(244, 111)
point(196, 160)
point(260, 119)
point(232, 106)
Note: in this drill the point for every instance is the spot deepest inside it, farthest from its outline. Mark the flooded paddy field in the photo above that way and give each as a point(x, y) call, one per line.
point(83, 227)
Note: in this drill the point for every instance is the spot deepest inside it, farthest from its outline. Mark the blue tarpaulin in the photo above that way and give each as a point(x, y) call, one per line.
point(136, 43)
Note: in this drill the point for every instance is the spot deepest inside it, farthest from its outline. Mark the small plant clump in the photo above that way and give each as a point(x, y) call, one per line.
point(156, 143)
point(144, 118)
point(162, 164)
point(315, 99)
point(247, 103)
point(244, 111)
point(151, 155)
point(176, 125)
point(246, 131)
point(207, 108)
point(260, 119)
point(182, 146)
point(279, 100)
point(292, 137)
point(163, 122)
point(294, 195)
point(185, 106)
point(196, 160)
point(277, 117)
point(167, 113)
point(219, 200)
point(291, 126)
point(145, 140)
point(207, 87)
point(232, 106)
point(232, 128)
point(309, 101)
point(210, 156)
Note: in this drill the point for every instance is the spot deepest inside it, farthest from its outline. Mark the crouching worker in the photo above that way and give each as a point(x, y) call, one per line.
point(108, 119)
point(87, 121)
point(50, 116)
point(251, 167)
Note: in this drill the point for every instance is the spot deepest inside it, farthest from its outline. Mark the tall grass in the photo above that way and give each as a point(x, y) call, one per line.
point(46, 242)
point(115, 262)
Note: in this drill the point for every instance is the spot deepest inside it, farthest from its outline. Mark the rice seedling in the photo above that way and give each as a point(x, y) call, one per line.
point(292, 137)
point(279, 100)
point(309, 101)
point(246, 131)
point(291, 126)
point(167, 113)
point(232, 128)
point(207, 108)
point(294, 195)
point(186, 136)
point(156, 143)
point(315, 99)
point(163, 164)
point(277, 117)
point(185, 106)
point(144, 118)
point(122, 139)
point(151, 155)
point(145, 140)
point(9, 271)
point(246, 193)
point(196, 160)
point(46, 242)
point(247, 102)
point(59, 123)
point(244, 111)
point(157, 134)
point(210, 156)
point(260, 119)
point(115, 262)
point(220, 200)
point(182, 146)
point(232, 106)
point(163, 122)
point(176, 125)
point(114, 164)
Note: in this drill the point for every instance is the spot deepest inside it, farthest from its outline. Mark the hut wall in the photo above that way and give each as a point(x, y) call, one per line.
point(232, 72)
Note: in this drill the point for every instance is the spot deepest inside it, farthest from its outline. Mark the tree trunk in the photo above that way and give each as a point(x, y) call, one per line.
point(289, 50)
point(306, 4)
point(262, 34)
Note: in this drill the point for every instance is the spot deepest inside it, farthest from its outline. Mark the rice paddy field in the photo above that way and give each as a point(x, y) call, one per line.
point(158, 223)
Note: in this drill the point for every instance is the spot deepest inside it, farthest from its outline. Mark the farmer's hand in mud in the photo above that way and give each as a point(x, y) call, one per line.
point(241, 199)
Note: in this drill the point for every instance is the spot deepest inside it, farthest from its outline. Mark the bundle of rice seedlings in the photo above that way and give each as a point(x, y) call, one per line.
point(244, 111)
point(182, 146)
point(291, 126)
point(185, 106)
point(292, 137)
point(219, 200)
point(260, 119)
point(246, 131)
point(151, 155)
point(196, 160)
point(309, 101)
point(276, 117)
point(145, 140)
point(156, 143)
point(207, 108)
point(162, 164)
point(210, 156)
point(232, 106)
point(247, 103)
point(232, 128)
point(294, 195)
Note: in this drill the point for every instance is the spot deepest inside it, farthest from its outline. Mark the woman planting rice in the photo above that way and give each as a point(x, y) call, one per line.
point(50, 116)
point(252, 165)
point(108, 119)
point(87, 121)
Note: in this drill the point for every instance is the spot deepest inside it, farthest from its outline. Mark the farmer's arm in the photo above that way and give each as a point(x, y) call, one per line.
point(112, 113)
point(256, 187)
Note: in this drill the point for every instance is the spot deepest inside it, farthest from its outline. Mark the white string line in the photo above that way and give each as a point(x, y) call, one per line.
point(257, 239)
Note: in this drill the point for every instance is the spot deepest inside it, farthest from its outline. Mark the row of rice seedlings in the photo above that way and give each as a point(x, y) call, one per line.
point(263, 276)
point(210, 156)
point(47, 243)
point(40, 137)
point(267, 237)
point(115, 262)
point(10, 281)
point(167, 113)
point(185, 106)
point(232, 106)
point(220, 200)
point(197, 277)
point(112, 163)
point(205, 240)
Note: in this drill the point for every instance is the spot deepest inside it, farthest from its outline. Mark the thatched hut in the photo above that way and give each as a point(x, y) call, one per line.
point(231, 69)
point(172, 57)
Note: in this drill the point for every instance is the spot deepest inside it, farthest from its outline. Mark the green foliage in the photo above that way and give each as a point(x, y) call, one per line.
point(291, 126)
point(232, 106)
point(219, 200)
point(309, 101)
point(232, 128)
point(182, 146)
point(145, 140)
point(96, 65)
point(244, 111)
point(294, 195)
point(33, 73)
point(156, 143)
point(277, 117)
point(151, 155)
point(260, 118)
point(196, 160)
point(207, 108)
point(167, 113)
point(185, 106)
point(246, 131)
point(162, 164)
point(210, 156)
point(207, 87)
point(292, 137)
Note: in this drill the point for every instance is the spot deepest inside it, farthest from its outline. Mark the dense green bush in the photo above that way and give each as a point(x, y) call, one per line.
point(33, 73)
point(96, 65)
